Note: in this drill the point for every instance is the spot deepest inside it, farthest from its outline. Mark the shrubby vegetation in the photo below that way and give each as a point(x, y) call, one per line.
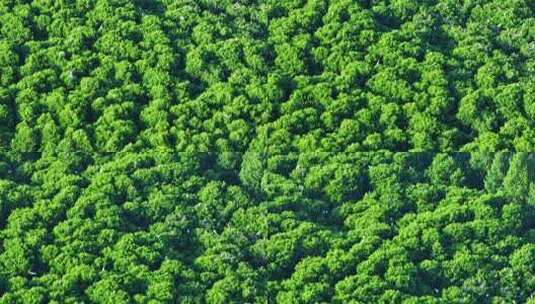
point(247, 151)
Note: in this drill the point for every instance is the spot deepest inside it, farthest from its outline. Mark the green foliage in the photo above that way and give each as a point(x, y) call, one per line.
point(159, 227)
point(262, 151)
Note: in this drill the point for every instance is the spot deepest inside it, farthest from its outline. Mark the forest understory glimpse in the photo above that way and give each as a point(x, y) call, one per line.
point(263, 151)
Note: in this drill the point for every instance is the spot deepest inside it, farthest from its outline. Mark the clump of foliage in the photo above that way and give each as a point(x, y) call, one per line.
point(262, 151)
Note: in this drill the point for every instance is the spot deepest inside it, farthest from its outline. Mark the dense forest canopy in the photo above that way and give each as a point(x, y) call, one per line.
point(267, 151)
point(302, 75)
point(160, 227)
